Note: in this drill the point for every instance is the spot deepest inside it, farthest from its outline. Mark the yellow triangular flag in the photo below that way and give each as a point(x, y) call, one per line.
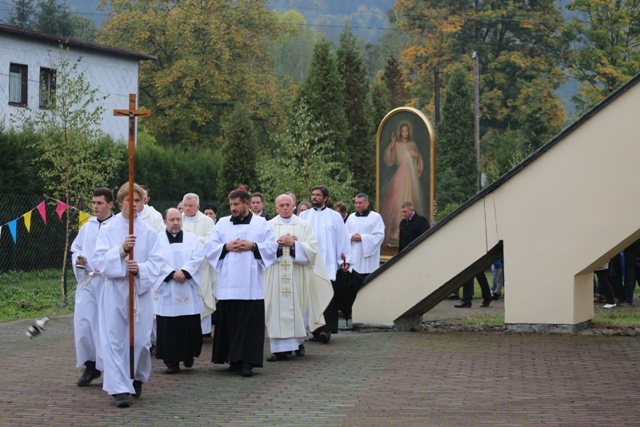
point(27, 221)
point(83, 217)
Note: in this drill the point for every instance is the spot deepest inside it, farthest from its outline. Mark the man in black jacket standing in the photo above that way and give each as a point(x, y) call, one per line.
point(412, 226)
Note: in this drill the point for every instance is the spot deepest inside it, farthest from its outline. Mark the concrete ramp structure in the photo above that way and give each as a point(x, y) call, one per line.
point(556, 217)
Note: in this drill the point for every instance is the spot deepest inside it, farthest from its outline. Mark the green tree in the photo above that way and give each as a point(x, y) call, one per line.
point(605, 54)
point(19, 170)
point(73, 162)
point(456, 158)
point(211, 55)
point(292, 54)
point(359, 143)
point(380, 102)
point(21, 14)
point(53, 18)
point(394, 81)
point(239, 152)
point(304, 157)
point(323, 93)
point(521, 46)
point(390, 44)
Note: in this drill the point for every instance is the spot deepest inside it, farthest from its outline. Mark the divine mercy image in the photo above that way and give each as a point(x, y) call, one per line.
point(406, 157)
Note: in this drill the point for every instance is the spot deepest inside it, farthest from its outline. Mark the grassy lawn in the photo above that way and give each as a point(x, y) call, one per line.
point(34, 294)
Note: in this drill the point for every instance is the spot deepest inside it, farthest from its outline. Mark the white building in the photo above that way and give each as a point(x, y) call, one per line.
point(27, 62)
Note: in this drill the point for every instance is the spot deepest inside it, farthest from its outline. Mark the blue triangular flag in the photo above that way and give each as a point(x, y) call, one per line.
point(12, 229)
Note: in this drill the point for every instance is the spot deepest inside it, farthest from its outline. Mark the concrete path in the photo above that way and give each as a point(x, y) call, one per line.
point(359, 379)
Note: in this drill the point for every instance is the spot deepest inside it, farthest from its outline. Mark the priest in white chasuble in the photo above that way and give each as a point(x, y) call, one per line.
point(295, 285)
point(240, 248)
point(177, 298)
point(201, 225)
point(111, 259)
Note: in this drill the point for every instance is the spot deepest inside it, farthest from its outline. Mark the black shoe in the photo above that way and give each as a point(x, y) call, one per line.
point(463, 304)
point(453, 296)
point(189, 362)
point(495, 297)
point(234, 366)
point(122, 400)
point(300, 351)
point(90, 373)
point(485, 303)
point(246, 370)
point(172, 368)
point(137, 386)
point(324, 337)
point(277, 357)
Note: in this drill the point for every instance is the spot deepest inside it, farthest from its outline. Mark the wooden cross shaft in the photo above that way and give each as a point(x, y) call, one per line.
point(132, 113)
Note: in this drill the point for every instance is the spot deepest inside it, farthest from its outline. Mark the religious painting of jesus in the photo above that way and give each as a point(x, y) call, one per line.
point(405, 162)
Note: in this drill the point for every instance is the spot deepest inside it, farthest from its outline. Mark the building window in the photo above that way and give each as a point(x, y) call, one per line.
point(18, 84)
point(47, 86)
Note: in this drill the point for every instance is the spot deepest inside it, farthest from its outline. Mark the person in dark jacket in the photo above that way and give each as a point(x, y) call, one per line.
point(412, 226)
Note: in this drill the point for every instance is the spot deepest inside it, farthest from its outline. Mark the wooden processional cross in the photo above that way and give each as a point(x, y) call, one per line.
point(132, 113)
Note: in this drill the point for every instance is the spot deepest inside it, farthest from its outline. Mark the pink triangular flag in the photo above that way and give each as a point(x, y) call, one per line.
point(43, 211)
point(27, 221)
point(60, 208)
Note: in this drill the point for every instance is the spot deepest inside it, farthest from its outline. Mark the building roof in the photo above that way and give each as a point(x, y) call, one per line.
point(57, 40)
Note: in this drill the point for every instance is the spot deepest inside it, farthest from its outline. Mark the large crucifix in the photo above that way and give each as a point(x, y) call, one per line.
point(132, 113)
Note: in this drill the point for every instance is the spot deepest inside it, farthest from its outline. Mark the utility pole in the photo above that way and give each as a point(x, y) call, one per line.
point(476, 95)
point(436, 91)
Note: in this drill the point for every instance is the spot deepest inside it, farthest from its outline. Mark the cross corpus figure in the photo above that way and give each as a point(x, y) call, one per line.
point(132, 113)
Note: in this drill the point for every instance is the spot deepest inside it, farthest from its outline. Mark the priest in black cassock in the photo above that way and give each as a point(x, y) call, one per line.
point(240, 249)
point(177, 299)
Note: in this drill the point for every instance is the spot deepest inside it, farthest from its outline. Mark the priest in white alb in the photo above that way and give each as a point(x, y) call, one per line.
point(333, 243)
point(296, 285)
point(111, 258)
point(201, 225)
point(366, 233)
point(177, 298)
point(241, 247)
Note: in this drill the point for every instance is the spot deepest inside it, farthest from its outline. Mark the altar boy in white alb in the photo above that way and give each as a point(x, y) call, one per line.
point(111, 258)
point(90, 281)
point(177, 298)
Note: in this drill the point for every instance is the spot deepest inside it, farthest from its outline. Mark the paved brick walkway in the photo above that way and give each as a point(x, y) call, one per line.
point(359, 379)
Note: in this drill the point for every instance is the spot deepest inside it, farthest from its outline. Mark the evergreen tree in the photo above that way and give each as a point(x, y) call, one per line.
point(21, 14)
point(394, 80)
point(239, 152)
point(53, 18)
point(380, 103)
point(360, 146)
point(455, 148)
point(304, 157)
point(323, 91)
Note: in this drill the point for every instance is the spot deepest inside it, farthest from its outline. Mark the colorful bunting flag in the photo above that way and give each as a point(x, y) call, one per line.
point(27, 221)
point(61, 208)
point(83, 217)
point(12, 229)
point(43, 211)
